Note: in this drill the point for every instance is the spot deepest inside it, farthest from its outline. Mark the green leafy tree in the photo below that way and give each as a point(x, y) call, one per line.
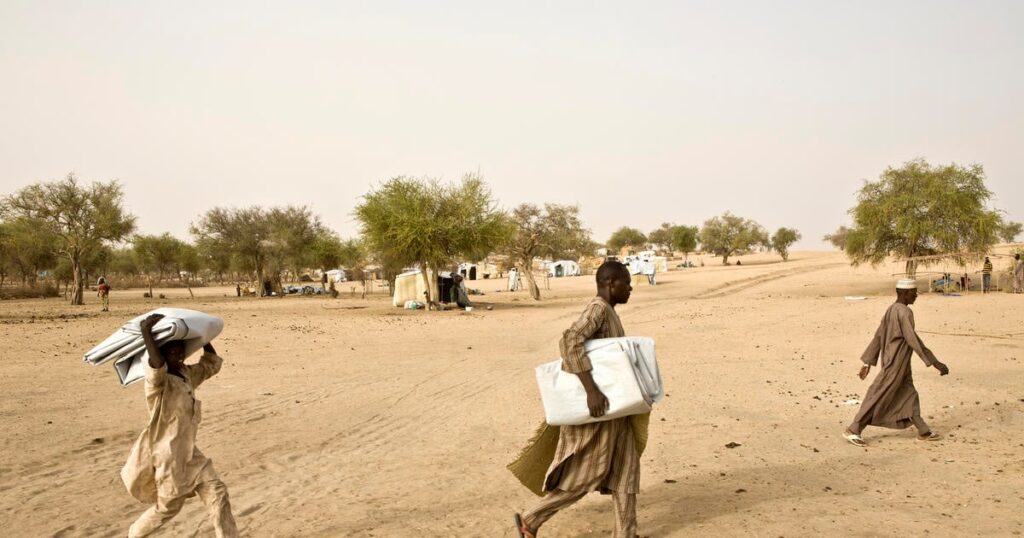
point(923, 210)
point(81, 218)
point(123, 262)
point(662, 237)
point(6, 253)
point(156, 256)
point(32, 248)
point(420, 221)
point(555, 232)
point(1008, 231)
point(684, 239)
point(627, 237)
point(244, 233)
point(293, 231)
point(729, 235)
point(838, 237)
point(783, 239)
point(187, 264)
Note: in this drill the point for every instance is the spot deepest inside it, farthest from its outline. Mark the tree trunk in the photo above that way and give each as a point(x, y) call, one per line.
point(425, 271)
point(149, 280)
point(911, 268)
point(725, 259)
point(531, 282)
point(188, 284)
point(77, 296)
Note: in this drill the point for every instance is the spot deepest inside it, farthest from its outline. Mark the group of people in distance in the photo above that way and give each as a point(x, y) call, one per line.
point(560, 464)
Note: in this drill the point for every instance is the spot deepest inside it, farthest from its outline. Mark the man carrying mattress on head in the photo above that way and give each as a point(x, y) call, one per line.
point(602, 456)
point(165, 467)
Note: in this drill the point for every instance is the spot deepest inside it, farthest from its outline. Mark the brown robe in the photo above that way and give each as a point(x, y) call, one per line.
point(892, 401)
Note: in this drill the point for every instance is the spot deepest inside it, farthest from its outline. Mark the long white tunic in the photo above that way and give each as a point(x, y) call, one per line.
point(164, 461)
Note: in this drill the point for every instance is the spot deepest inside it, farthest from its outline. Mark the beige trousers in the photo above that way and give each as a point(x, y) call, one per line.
point(625, 510)
point(214, 495)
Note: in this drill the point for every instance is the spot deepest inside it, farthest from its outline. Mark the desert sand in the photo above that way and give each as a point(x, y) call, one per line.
point(349, 417)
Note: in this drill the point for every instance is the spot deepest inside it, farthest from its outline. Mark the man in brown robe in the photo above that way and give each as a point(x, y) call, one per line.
point(602, 456)
point(892, 400)
point(165, 467)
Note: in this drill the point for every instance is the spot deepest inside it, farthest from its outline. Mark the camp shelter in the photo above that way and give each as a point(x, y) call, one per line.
point(562, 268)
point(409, 286)
point(477, 271)
point(337, 275)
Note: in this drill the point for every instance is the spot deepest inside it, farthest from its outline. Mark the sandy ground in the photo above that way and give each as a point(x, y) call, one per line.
point(351, 418)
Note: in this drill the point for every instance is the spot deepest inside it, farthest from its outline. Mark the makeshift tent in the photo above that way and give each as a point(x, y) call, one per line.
point(409, 286)
point(127, 349)
point(563, 268)
point(337, 275)
point(477, 271)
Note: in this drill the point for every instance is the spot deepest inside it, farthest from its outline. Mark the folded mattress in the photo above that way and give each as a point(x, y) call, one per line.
point(626, 371)
point(127, 350)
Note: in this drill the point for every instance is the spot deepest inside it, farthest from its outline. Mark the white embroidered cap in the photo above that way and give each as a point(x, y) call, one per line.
point(906, 284)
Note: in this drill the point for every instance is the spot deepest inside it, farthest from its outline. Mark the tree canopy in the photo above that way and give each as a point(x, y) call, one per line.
point(782, 239)
point(627, 237)
point(838, 237)
point(554, 231)
point(82, 218)
point(730, 235)
point(1010, 230)
point(423, 222)
point(684, 239)
point(923, 210)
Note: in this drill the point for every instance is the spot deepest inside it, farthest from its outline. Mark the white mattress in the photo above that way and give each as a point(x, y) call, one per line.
point(128, 351)
point(626, 371)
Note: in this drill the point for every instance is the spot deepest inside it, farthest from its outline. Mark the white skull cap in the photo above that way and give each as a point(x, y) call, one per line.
point(906, 284)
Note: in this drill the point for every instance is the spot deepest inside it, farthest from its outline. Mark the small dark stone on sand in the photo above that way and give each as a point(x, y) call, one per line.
point(669, 481)
point(732, 444)
point(741, 490)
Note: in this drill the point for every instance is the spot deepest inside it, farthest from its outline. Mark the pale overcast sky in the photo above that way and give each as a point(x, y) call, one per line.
point(640, 112)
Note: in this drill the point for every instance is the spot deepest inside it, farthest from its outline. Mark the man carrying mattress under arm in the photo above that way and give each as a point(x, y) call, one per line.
point(602, 456)
point(165, 467)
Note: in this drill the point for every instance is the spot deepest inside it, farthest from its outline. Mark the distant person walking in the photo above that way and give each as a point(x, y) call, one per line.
point(986, 276)
point(892, 401)
point(103, 291)
point(1018, 274)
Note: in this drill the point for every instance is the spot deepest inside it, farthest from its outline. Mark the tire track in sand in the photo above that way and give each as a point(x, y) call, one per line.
point(736, 286)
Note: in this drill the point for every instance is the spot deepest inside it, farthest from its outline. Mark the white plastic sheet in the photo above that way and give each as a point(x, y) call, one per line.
point(626, 371)
point(126, 349)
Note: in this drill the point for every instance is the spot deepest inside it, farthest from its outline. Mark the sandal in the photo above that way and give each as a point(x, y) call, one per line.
point(932, 436)
point(521, 529)
point(854, 439)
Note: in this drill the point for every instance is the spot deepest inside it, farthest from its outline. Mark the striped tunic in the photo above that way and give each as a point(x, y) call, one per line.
point(602, 455)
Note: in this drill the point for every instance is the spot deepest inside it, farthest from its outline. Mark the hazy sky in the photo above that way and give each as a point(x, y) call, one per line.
point(641, 112)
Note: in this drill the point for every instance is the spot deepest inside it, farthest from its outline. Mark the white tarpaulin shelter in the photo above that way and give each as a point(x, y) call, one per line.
point(127, 350)
point(626, 371)
point(409, 286)
point(563, 268)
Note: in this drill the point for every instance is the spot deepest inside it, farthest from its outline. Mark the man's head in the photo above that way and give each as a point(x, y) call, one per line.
point(174, 354)
point(906, 291)
point(986, 258)
point(1016, 257)
point(102, 281)
point(613, 282)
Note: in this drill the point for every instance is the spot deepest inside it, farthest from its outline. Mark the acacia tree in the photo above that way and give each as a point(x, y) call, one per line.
point(730, 235)
point(662, 237)
point(684, 239)
point(244, 233)
point(420, 221)
point(6, 253)
point(293, 231)
point(556, 231)
point(923, 210)
point(838, 237)
point(155, 255)
point(82, 218)
point(31, 248)
point(627, 237)
point(783, 239)
point(1009, 231)
point(187, 263)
